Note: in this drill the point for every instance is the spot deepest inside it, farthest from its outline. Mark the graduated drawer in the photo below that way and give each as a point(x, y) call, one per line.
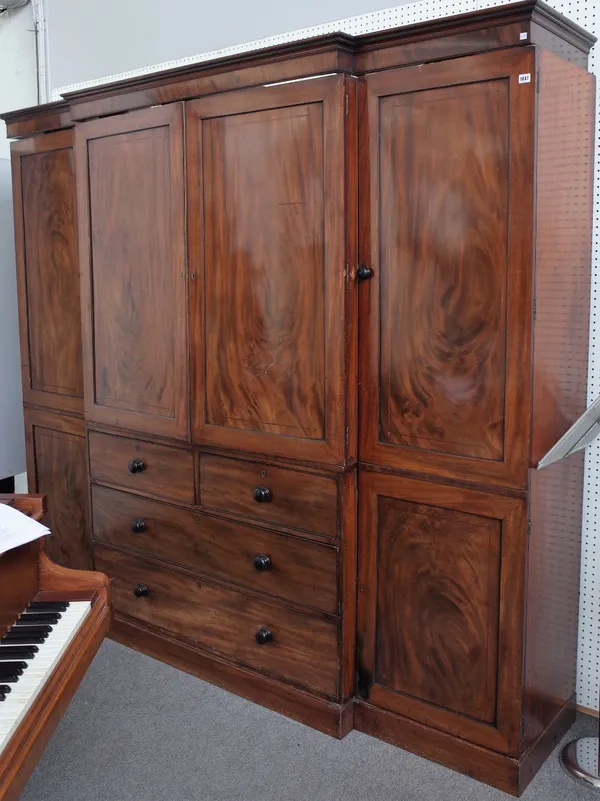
point(297, 570)
point(303, 648)
point(272, 494)
point(159, 469)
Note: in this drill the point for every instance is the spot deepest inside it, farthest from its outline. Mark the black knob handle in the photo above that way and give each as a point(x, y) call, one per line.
point(136, 466)
point(262, 562)
point(263, 495)
point(363, 273)
point(264, 635)
point(138, 526)
point(141, 591)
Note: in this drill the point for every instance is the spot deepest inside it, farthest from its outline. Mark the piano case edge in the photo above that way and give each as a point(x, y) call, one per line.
point(23, 751)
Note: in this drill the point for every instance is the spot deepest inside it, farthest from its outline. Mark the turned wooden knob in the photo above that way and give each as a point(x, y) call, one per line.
point(264, 635)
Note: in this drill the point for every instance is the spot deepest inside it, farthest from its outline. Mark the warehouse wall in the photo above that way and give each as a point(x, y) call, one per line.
point(91, 39)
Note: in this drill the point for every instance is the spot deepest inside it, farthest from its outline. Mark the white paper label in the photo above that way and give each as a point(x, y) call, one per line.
point(523, 35)
point(525, 77)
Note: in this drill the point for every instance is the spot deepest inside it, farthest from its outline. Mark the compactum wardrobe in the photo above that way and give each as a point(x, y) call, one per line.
point(297, 327)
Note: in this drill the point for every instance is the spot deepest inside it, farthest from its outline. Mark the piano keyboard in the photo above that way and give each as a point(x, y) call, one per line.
point(29, 652)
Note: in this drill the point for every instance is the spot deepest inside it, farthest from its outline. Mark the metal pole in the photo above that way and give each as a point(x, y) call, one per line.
point(581, 758)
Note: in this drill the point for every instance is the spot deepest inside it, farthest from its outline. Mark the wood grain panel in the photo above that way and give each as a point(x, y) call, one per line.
point(57, 466)
point(564, 197)
point(431, 40)
point(508, 773)
point(299, 571)
point(444, 354)
point(264, 264)
point(553, 586)
point(348, 588)
point(438, 606)
point(165, 471)
point(561, 334)
point(404, 50)
point(324, 60)
point(20, 581)
point(298, 500)
point(20, 567)
point(133, 255)
point(303, 650)
point(298, 704)
point(443, 268)
point(48, 271)
point(482, 764)
point(37, 119)
point(266, 179)
point(546, 39)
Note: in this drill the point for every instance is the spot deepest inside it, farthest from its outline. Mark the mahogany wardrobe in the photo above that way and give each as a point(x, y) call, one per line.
point(297, 326)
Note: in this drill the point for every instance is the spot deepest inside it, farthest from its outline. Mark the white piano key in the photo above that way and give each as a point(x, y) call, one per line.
point(39, 669)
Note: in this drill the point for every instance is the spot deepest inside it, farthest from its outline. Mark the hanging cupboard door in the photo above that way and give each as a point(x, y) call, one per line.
point(441, 606)
point(131, 207)
point(446, 224)
point(48, 270)
point(267, 248)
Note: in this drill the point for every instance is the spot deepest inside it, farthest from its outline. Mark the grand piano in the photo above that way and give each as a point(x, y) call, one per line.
point(52, 621)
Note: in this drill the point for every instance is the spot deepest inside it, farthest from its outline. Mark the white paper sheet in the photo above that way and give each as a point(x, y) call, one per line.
point(17, 528)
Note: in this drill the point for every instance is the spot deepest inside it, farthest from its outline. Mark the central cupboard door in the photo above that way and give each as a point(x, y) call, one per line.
point(266, 234)
point(131, 205)
point(445, 222)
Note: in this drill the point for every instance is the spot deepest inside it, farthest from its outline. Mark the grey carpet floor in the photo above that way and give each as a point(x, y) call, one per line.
point(138, 730)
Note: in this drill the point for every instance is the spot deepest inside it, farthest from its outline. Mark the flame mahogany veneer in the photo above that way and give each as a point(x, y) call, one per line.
point(327, 328)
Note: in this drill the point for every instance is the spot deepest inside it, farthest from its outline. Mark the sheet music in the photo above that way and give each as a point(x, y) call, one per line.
point(17, 528)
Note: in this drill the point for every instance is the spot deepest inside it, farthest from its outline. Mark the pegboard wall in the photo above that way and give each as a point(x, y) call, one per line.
point(588, 16)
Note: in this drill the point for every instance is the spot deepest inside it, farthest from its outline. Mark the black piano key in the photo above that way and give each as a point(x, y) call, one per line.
point(18, 651)
point(13, 665)
point(11, 674)
point(48, 606)
point(17, 637)
point(41, 617)
point(30, 628)
point(5, 689)
point(2, 697)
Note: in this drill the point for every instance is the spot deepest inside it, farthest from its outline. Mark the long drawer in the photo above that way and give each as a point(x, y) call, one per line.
point(298, 570)
point(300, 648)
point(142, 466)
point(271, 494)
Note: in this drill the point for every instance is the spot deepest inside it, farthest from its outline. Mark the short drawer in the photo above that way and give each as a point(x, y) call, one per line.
point(272, 494)
point(142, 466)
point(294, 645)
point(298, 570)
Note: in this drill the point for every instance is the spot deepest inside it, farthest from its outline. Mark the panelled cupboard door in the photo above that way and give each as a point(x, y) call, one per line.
point(131, 205)
point(266, 234)
point(440, 606)
point(57, 466)
point(45, 210)
point(446, 208)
